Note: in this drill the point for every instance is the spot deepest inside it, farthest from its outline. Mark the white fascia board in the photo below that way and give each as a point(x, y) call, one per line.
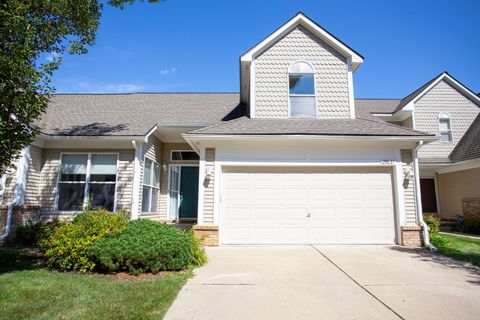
point(448, 78)
point(115, 138)
point(149, 133)
point(315, 29)
point(459, 166)
point(427, 139)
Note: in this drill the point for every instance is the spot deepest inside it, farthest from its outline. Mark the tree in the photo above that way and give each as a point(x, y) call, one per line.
point(29, 30)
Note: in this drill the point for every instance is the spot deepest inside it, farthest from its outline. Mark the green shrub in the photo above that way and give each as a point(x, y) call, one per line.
point(144, 246)
point(65, 246)
point(438, 240)
point(26, 235)
point(470, 225)
point(433, 223)
point(29, 235)
point(199, 257)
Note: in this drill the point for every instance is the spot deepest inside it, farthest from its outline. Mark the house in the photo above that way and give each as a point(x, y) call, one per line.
point(293, 158)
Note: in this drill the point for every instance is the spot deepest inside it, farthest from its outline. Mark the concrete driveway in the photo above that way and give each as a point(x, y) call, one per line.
point(329, 282)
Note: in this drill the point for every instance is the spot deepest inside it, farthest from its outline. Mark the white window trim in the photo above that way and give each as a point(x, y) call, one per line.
point(87, 179)
point(445, 116)
point(151, 186)
point(188, 161)
point(314, 95)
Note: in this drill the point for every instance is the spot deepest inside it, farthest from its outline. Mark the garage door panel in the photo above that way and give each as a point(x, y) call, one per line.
point(234, 195)
point(295, 234)
point(323, 216)
point(237, 216)
point(294, 195)
point(352, 234)
point(270, 235)
point(293, 215)
point(265, 195)
point(265, 179)
point(350, 179)
point(237, 234)
point(349, 194)
point(266, 215)
point(322, 194)
point(321, 179)
point(321, 235)
point(307, 205)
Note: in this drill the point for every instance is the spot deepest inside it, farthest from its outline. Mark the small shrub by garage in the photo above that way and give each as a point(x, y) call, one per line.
point(66, 246)
point(144, 246)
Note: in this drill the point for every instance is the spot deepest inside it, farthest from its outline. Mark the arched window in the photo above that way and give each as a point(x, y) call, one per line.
point(301, 86)
point(445, 127)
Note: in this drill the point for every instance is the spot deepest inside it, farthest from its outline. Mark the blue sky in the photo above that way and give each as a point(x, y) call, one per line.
point(194, 46)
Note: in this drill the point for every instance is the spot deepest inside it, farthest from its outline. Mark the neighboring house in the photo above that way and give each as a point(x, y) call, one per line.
point(450, 167)
point(293, 158)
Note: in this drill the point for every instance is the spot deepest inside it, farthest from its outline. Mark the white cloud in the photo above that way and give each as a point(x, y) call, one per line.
point(51, 56)
point(166, 72)
point(91, 87)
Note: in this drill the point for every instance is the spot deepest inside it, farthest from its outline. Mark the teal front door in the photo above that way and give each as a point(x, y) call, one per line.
point(188, 202)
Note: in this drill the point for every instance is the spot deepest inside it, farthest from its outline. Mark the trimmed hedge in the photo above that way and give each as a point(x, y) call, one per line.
point(144, 246)
point(66, 246)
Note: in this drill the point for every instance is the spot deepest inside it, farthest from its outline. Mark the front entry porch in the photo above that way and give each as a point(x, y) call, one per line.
point(183, 193)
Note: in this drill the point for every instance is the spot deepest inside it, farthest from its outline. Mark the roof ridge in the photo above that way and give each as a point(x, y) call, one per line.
point(396, 126)
point(133, 93)
point(217, 125)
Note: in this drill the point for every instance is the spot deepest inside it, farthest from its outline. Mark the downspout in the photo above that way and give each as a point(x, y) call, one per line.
point(138, 147)
point(19, 191)
point(418, 196)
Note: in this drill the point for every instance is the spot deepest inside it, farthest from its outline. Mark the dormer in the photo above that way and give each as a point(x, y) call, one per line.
point(300, 70)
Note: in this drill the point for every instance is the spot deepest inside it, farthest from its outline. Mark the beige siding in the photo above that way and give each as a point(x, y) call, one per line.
point(33, 177)
point(208, 199)
point(409, 189)
point(49, 176)
point(397, 123)
point(271, 87)
point(408, 123)
point(153, 151)
point(443, 98)
point(455, 186)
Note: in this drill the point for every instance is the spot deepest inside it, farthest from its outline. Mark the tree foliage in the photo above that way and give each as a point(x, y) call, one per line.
point(34, 34)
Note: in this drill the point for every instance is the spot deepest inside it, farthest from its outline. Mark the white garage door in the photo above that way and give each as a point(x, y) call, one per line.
point(302, 206)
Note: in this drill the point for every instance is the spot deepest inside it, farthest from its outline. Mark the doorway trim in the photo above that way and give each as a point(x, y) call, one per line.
point(169, 199)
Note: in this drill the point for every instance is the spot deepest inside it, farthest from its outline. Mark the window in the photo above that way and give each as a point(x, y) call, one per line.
point(301, 86)
point(87, 177)
point(445, 128)
point(151, 186)
point(185, 156)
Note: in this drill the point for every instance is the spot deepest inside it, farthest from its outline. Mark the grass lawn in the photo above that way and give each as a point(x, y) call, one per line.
point(30, 292)
point(460, 248)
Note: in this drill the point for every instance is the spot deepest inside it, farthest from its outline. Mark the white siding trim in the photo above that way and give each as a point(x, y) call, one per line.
point(201, 187)
point(252, 90)
point(301, 19)
point(136, 179)
point(351, 95)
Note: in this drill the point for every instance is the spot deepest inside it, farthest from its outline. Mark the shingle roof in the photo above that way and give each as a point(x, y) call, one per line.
point(134, 114)
point(468, 147)
point(305, 126)
point(368, 105)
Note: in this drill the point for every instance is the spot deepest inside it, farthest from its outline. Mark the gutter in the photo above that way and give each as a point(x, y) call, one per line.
point(19, 191)
point(304, 137)
point(418, 196)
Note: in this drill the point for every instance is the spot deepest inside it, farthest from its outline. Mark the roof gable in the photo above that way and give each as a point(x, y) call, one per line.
point(408, 102)
point(317, 30)
point(468, 147)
